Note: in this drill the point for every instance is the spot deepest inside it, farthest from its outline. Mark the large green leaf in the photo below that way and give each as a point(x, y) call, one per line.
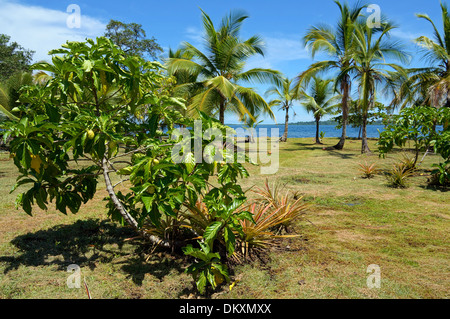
point(211, 231)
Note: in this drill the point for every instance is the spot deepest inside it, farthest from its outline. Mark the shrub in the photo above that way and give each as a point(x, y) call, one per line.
point(441, 175)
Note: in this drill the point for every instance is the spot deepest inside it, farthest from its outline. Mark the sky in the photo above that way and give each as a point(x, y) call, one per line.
point(43, 25)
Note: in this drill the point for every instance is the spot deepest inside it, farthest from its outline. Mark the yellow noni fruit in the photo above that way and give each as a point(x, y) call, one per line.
point(36, 163)
point(90, 134)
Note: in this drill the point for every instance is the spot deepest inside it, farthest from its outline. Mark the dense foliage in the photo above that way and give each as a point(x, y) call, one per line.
point(420, 126)
point(132, 39)
point(13, 57)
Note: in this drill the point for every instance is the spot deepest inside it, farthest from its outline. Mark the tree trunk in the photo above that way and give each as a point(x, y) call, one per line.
point(128, 218)
point(345, 90)
point(317, 131)
point(222, 112)
point(286, 124)
point(364, 145)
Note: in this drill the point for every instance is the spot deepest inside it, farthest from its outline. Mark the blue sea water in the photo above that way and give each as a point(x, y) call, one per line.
point(373, 131)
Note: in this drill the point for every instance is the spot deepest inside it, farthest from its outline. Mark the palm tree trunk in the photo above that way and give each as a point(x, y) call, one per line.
point(285, 134)
point(345, 88)
point(364, 145)
point(222, 112)
point(317, 131)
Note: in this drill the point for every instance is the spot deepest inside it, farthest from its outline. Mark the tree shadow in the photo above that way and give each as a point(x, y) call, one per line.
point(329, 149)
point(341, 154)
point(86, 243)
point(82, 243)
point(306, 146)
point(137, 267)
point(436, 188)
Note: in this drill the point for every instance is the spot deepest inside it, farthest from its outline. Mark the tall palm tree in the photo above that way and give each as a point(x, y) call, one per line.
point(338, 43)
point(219, 70)
point(284, 97)
point(430, 85)
point(370, 70)
point(318, 98)
point(187, 85)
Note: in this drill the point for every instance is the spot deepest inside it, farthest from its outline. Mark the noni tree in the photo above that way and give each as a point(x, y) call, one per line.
point(104, 113)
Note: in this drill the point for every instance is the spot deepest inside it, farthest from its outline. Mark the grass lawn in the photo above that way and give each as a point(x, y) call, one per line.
point(352, 223)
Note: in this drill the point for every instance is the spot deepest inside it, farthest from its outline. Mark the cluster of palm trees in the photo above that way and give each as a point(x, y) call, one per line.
point(362, 57)
point(213, 80)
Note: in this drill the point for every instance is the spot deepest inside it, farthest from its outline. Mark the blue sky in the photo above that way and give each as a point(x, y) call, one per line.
point(41, 26)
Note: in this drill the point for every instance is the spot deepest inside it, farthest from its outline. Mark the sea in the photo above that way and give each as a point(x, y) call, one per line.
point(373, 131)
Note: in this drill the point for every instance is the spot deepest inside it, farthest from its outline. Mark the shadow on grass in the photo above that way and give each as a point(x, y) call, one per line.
point(304, 146)
point(436, 188)
point(341, 154)
point(344, 154)
point(86, 243)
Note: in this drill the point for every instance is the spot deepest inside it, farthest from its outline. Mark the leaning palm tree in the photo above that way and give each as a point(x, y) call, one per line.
point(318, 98)
point(187, 85)
point(370, 70)
point(219, 70)
point(430, 85)
point(10, 91)
point(5, 106)
point(338, 43)
point(284, 97)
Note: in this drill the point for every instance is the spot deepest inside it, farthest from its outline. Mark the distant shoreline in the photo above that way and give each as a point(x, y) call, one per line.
point(310, 123)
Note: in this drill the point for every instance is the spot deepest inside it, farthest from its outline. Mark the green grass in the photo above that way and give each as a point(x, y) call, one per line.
point(353, 222)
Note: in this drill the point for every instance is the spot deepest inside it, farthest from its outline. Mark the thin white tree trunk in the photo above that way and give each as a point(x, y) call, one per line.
point(128, 218)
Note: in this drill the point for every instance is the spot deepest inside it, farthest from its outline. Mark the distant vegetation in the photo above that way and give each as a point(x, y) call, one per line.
point(328, 122)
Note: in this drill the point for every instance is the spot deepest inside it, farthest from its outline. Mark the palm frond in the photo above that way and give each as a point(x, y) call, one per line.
point(253, 102)
point(259, 75)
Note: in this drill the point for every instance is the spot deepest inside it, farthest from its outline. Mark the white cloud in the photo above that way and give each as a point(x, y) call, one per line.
point(277, 50)
point(405, 35)
point(41, 29)
point(194, 35)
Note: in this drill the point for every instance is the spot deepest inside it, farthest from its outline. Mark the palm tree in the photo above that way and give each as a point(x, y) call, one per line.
point(370, 71)
point(430, 85)
point(219, 70)
point(9, 91)
point(186, 82)
point(250, 123)
point(318, 98)
point(285, 95)
point(338, 43)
